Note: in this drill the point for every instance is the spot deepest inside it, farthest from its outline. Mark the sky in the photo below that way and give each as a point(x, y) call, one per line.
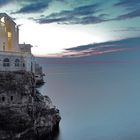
point(75, 28)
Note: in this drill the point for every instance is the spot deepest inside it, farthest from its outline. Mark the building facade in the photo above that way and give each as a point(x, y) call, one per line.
point(13, 56)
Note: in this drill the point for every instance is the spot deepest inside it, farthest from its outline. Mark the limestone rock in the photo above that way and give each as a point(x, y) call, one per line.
point(24, 112)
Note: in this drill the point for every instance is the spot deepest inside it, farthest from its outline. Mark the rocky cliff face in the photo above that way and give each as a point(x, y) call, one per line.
point(25, 114)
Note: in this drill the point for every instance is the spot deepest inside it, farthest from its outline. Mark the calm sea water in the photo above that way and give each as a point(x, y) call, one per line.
point(96, 101)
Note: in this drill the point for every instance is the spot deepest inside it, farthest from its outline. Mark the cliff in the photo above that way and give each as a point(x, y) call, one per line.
point(25, 114)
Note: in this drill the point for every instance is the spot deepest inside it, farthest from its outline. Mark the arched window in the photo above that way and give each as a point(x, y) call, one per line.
point(17, 62)
point(6, 62)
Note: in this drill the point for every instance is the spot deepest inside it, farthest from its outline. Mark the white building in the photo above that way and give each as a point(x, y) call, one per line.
point(13, 56)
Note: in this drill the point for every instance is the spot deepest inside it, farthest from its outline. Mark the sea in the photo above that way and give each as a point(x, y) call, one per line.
point(98, 96)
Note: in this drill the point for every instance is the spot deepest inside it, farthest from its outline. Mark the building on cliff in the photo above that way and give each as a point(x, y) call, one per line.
point(13, 56)
point(24, 112)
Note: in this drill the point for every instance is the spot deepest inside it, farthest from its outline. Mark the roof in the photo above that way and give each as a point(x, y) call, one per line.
point(7, 17)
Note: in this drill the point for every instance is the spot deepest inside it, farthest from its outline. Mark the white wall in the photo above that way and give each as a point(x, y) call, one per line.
point(12, 66)
point(29, 63)
point(9, 26)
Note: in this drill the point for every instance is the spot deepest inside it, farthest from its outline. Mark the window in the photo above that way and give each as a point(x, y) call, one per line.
point(12, 98)
point(3, 99)
point(17, 62)
point(9, 34)
point(6, 62)
point(23, 64)
point(3, 46)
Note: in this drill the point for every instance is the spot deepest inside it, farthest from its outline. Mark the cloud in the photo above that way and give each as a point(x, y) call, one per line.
point(89, 20)
point(129, 4)
point(33, 7)
point(85, 10)
point(129, 42)
point(133, 14)
point(80, 15)
point(92, 52)
point(73, 20)
point(129, 29)
point(132, 6)
point(4, 2)
point(102, 48)
point(52, 20)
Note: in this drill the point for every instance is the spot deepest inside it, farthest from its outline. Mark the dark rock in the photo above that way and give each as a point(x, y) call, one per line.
point(25, 114)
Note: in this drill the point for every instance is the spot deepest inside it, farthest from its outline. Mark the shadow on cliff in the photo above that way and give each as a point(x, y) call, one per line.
point(56, 135)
